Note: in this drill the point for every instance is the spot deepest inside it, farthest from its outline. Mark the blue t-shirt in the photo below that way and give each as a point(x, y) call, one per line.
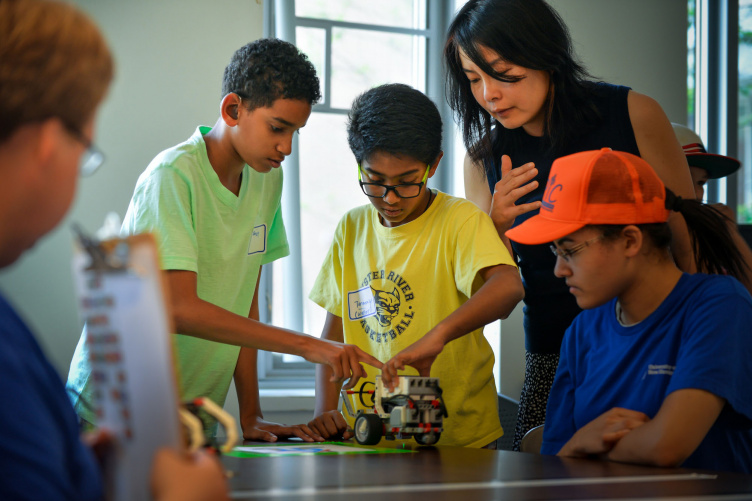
point(549, 307)
point(41, 456)
point(699, 337)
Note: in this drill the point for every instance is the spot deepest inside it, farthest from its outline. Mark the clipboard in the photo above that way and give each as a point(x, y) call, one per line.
point(122, 300)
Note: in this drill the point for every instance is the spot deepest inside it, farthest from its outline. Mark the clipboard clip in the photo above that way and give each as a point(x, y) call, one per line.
point(108, 256)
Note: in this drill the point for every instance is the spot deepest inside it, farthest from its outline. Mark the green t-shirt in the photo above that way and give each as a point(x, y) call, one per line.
point(391, 286)
point(202, 227)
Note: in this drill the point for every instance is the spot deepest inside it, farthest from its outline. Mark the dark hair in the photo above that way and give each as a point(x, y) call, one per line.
point(527, 33)
point(712, 243)
point(269, 69)
point(394, 119)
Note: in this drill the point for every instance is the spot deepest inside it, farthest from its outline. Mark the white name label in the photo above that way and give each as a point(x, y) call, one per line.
point(361, 304)
point(257, 245)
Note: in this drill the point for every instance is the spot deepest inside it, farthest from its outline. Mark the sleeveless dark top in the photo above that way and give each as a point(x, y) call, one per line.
point(549, 307)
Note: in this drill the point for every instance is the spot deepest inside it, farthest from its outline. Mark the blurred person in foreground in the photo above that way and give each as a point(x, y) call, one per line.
point(55, 69)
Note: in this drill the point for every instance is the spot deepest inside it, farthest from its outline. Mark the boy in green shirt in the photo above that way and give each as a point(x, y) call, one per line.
point(213, 202)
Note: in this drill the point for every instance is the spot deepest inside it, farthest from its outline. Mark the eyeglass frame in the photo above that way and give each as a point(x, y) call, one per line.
point(93, 155)
point(565, 254)
point(393, 187)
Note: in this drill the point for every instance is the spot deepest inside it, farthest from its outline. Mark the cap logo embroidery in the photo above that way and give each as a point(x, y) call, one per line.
point(548, 200)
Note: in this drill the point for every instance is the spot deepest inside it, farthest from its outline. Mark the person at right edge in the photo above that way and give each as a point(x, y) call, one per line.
point(704, 166)
point(522, 100)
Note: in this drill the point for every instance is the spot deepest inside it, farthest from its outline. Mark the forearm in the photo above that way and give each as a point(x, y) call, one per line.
point(638, 445)
point(650, 445)
point(670, 438)
point(246, 375)
point(207, 321)
point(494, 300)
point(666, 440)
point(246, 385)
point(327, 391)
point(659, 147)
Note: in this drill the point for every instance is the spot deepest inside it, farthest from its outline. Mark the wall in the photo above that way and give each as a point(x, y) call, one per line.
point(170, 64)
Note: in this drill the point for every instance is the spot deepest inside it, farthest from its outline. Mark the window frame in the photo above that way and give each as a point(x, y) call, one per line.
point(717, 94)
point(717, 86)
point(280, 21)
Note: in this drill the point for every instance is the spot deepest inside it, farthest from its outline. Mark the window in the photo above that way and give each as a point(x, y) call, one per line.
point(354, 45)
point(744, 128)
point(691, 58)
point(721, 108)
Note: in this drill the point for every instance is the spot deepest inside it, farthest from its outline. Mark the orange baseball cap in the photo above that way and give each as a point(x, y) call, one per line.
point(595, 187)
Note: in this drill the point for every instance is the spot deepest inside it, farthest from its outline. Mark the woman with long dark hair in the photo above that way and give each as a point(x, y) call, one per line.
point(522, 100)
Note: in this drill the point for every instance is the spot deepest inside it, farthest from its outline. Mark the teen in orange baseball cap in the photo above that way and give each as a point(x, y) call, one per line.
point(704, 166)
point(653, 344)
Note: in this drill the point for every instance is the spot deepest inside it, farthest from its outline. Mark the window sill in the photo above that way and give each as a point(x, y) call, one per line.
point(287, 400)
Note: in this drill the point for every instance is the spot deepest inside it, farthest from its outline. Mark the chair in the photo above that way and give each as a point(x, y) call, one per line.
point(508, 416)
point(532, 440)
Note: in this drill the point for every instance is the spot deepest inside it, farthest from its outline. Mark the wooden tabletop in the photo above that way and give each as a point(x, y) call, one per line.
point(451, 473)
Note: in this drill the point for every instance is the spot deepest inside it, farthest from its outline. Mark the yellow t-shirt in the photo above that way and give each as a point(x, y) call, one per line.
point(390, 286)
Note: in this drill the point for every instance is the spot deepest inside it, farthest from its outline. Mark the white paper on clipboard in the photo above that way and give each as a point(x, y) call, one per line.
point(121, 299)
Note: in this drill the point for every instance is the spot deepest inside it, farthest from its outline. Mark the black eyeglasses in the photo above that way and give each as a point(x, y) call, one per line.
point(565, 254)
point(404, 190)
point(92, 158)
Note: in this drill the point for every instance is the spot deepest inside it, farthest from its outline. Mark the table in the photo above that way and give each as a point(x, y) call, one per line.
point(451, 473)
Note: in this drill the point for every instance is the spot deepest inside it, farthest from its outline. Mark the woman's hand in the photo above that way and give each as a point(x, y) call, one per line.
point(514, 184)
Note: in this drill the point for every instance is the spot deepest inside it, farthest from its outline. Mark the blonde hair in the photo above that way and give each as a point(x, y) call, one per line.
point(54, 62)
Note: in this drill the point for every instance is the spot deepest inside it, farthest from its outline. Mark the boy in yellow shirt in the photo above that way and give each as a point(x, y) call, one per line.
point(414, 270)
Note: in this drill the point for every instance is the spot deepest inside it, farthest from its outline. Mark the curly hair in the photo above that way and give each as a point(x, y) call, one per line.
point(269, 69)
point(54, 62)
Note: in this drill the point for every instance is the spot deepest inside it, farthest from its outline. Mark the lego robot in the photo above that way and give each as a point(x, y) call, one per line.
point(415, 408)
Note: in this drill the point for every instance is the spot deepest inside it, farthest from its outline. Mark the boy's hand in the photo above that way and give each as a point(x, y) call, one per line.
point(331, 424)
point(343, 359)
point(602, 433)
point(268, 431)
point(514, 183)
point(420, 355)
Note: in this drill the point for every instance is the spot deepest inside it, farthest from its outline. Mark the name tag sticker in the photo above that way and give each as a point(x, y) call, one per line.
point(257, 245)
point(360, 303)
